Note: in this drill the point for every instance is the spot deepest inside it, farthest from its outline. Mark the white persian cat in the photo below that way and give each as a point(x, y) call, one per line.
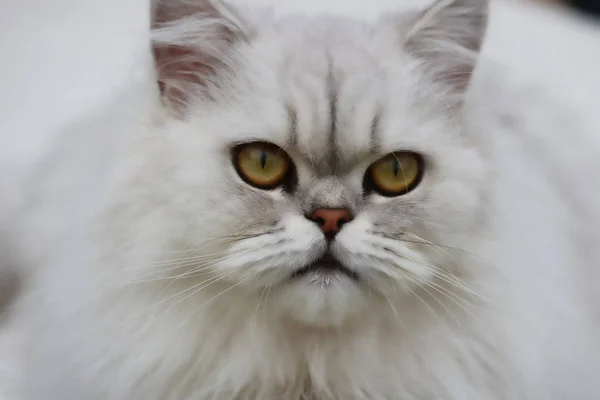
point(330, 208)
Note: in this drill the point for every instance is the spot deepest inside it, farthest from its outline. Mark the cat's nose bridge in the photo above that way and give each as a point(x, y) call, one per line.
point(330, 193)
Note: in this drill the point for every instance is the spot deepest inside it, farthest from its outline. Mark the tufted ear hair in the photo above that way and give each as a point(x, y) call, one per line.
point(447, 38)
point(193, 43)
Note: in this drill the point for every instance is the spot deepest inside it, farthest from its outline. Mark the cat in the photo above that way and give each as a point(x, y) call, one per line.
point(329, 208)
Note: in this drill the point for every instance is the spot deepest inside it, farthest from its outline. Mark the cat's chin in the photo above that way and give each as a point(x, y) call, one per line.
point(322, 299)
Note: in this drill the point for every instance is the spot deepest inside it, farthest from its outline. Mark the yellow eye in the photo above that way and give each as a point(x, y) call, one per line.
point(262, 165)
point(396, 174)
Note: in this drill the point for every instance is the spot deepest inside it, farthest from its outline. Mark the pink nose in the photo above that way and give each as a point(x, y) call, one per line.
point(330, 220)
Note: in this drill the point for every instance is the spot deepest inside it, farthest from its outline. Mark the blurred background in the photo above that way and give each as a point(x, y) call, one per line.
point(590, 7)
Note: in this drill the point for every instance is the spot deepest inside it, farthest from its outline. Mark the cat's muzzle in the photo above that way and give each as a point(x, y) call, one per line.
point(327, 265)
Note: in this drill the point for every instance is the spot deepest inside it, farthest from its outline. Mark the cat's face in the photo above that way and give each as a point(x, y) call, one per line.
point(327, 173)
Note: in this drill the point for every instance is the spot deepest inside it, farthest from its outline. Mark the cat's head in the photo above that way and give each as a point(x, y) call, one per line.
point(325, 161)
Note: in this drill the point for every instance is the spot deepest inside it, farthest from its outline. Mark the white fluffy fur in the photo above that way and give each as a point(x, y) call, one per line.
point(503, 305)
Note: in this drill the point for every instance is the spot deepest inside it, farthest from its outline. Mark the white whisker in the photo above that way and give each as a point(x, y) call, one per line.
point(195, 289)
point(212, 299)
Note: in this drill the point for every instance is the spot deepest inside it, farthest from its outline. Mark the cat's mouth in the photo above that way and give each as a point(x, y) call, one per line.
point(325, 266)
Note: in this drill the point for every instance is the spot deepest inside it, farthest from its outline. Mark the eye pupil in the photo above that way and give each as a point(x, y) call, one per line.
point(396, 166)
point(263, 159)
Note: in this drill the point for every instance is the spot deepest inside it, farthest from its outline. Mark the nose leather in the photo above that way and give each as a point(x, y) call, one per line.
point(330, 220)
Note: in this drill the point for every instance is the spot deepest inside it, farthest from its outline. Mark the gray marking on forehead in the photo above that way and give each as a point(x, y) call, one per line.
point(293, 120)
point(333, 99)
point(375, 139)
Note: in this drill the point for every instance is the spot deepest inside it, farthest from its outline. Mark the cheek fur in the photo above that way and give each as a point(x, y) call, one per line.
point(270, 257)
point(395, 264)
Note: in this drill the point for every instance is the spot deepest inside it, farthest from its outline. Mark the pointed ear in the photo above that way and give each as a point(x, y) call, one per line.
point(193, 42)
point(447, 38)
